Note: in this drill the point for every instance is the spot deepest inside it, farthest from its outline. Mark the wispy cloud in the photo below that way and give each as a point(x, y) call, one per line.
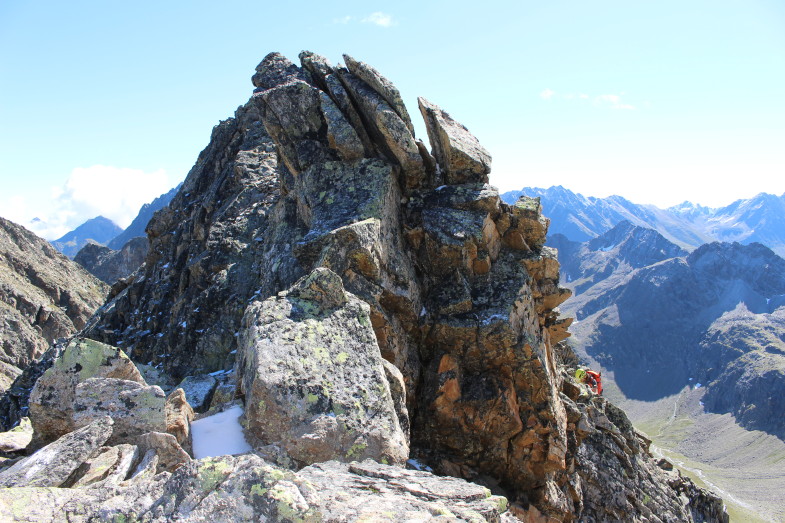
point(613, 101)
point(547, 94)
point(380, 19)
point(377, 18)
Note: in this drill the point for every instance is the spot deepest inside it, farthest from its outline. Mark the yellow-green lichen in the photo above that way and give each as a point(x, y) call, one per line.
point(212, 472)
point(356, 450)
point(342, 357)
point(258, 490)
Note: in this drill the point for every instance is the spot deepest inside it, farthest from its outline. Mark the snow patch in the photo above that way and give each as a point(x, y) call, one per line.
point(606, 249)
point(698, 385)
point(219, 434)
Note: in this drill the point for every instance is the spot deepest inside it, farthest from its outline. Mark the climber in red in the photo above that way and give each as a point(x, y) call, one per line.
point(594, 379)
point(590, 378)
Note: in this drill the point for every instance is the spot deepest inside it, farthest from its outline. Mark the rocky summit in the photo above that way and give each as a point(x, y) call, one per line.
point(369, 303)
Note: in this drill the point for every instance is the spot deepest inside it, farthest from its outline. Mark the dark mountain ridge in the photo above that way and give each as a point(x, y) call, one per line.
point(139, 224)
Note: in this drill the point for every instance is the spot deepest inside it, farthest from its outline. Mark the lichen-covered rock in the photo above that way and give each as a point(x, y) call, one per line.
point(312, 375)
point(246, 488)
point(52, 398)
point(134, 407)
point(52, 465)
point(18, 438)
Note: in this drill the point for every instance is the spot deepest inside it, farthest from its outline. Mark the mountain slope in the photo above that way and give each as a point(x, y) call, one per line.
point(109, 265)
point(98, 229)
point(712, 317)
point(43, 296)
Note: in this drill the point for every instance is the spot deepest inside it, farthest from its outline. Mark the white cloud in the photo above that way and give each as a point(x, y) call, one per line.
point(116, 193)
point(379, 18)
point(547, 94)
point(583, 96)
point(612, 100)
point(342, 20)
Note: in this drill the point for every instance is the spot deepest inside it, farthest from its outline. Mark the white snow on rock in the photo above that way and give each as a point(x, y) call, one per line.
point(219, 434)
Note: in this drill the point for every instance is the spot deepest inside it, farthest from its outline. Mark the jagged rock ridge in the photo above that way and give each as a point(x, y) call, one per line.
point(320, 168)
point(43, 296)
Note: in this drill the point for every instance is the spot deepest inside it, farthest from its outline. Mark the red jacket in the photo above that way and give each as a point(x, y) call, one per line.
point(594, 380)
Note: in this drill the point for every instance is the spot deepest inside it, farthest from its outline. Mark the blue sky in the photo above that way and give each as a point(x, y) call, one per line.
point(105, 105)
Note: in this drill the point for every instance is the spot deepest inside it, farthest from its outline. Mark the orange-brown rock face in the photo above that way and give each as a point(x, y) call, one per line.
point(488, 401)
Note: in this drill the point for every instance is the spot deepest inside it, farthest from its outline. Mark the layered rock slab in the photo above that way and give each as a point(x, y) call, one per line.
point(312, 375)
point(246, 488)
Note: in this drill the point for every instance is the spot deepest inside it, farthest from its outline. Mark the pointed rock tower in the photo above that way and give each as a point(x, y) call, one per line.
point(320, 169)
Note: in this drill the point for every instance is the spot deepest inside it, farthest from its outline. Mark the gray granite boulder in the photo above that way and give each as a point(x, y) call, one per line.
point(135, 408)
point(312, 375)
point(52, 398)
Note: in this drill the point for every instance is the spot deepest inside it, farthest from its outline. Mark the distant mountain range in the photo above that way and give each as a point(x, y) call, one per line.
point(580, 218)
point(99, 229)
point(104, 232)
point(662, 319)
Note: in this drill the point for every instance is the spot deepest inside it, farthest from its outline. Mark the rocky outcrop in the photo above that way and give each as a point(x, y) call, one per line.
point(246, 488)
point(43, 296)
point(53, 465)
point(316, 207)
point(109, 265)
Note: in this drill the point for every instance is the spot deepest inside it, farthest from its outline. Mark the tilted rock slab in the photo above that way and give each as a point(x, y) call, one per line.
point(312, 375)
point(52, 399)
point(52, 465)
point(457, 151)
